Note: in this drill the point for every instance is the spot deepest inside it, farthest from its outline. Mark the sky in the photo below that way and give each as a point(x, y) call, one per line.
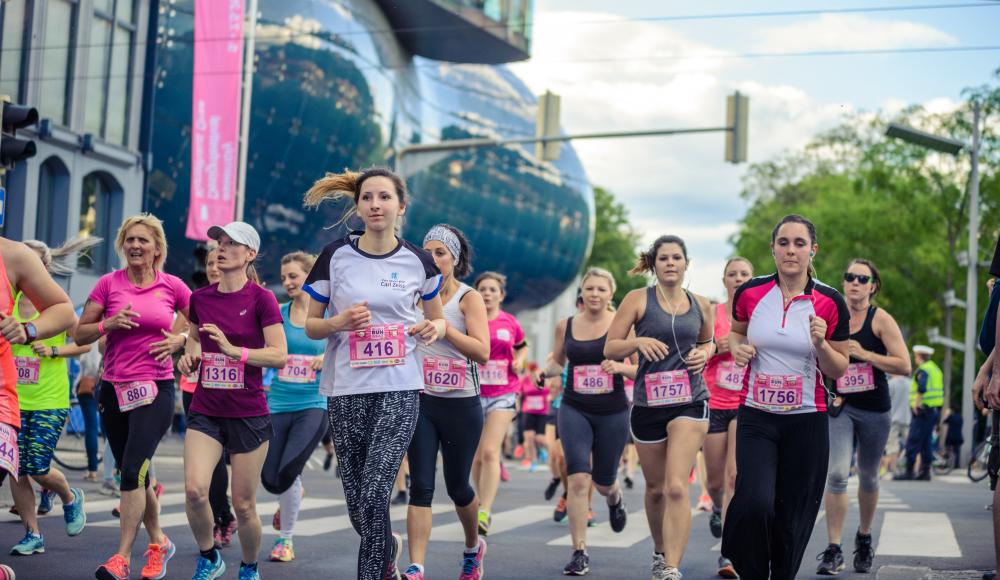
point(626, 65)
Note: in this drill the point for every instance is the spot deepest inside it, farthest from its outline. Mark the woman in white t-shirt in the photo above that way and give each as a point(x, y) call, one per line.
point(372, 286)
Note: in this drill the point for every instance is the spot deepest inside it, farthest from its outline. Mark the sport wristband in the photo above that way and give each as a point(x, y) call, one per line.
point(244, 354)
point(100, 327)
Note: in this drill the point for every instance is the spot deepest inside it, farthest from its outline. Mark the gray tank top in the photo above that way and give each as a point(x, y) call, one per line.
point(656, 323)
point(445, 349)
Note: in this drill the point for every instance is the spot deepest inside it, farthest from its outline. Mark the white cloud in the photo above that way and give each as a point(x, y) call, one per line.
point(850, 32)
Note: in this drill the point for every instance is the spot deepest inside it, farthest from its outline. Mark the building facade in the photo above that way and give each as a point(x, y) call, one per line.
point(336, 84)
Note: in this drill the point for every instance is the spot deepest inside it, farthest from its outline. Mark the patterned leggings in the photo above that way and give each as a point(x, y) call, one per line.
point(371, 433)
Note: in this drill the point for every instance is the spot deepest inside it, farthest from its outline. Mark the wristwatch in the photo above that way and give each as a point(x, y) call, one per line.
point(31, 331)
point(55, 352)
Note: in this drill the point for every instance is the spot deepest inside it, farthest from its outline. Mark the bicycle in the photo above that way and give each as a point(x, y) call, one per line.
point(979, 463)
point(71, 449)
point(943, 462)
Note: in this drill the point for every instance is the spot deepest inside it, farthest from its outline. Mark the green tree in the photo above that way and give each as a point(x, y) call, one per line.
point(616, 243)
point(902, 206)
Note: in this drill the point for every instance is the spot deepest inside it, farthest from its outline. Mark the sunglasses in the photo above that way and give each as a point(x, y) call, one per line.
point(849, 277)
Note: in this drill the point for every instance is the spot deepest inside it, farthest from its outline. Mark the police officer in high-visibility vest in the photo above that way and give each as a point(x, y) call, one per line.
point(926, 399)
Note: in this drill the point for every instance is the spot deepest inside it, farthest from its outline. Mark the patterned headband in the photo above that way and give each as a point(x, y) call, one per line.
point(446, 237)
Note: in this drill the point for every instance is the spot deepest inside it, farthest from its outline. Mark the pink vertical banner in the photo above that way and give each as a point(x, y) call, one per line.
point(215, 114)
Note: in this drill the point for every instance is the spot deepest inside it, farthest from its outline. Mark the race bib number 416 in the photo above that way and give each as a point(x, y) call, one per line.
point(378, 345)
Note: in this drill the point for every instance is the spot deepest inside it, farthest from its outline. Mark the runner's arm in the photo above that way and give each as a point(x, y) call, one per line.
point(897, 361)
point(622, 342)
point(475, 342)
point(29, 275)
point(554, 365)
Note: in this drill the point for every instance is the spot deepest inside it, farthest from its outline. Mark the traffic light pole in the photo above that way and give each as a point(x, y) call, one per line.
point(458, 144)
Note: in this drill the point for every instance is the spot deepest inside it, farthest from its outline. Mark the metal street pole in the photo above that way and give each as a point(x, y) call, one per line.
point(972, 287)
point(250, 33)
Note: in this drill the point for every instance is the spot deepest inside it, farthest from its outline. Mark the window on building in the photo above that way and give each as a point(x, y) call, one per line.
point(109, 70)
point(14, 25)
point(100, 214)
point(53, 199)
point(55, 83)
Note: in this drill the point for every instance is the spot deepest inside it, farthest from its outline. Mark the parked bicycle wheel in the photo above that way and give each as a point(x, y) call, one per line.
point(71, 451)
point(977, 470)
point(944, 462)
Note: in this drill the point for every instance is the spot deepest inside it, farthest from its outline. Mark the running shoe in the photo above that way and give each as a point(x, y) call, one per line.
point(249, 572)
point(617, 514)
point(227, 530)
point(327, 461)
point(29, 544)
point(550, 491)
point(13, 510)
point(109, 488)
point(704, 503)
point(629, 484)
point(485, 521)
point(209, 569)
point(579, 564)
point(282, 551)
point(726, 569)
point(75, 513)
point(560, 512)
point(217, 536)
point(504, 474)
point(672, 573)
point(715, 523)
point(590, 519)
point(831, 561)
point(117, 511)
point(413, 573)
point(396, 547)
point(526, 464)
point(473, 565)
point(156, 559)
point(543, 456)
point(863, 553)
point(659, 567)
point(400, 499)
point(45, 502)
point(158, 491)
point(90, 476)
point(276, 520)
point(116, 568)
point(6, 572)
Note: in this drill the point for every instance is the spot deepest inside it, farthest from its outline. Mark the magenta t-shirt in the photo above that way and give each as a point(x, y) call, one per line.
point(505, 334)
point(127, 355)
point(242, 317)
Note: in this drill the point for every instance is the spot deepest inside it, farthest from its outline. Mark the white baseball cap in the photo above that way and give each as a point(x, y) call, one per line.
point(923, 349)
point(239, 232)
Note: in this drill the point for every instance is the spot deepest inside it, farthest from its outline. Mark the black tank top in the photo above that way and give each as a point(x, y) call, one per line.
point(583, 353)
point(876, 400)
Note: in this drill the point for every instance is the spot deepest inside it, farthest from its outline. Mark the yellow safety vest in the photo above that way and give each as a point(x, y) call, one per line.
point(934, 396)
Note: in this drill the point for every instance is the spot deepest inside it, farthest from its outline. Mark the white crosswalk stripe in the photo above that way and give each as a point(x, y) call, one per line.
point(927, 534)
point(602, 536)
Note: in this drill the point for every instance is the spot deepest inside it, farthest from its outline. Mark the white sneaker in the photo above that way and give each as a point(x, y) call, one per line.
point(672, 574)
point(659, 568)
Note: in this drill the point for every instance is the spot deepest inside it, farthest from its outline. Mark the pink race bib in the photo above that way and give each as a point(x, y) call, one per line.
point(298, 370)
point(8, 449)
point(778, 393)
point(860, 377)
point(135, 394)
point(493, 373)
point(534, 403)
point(592, 380)
point(28, 368)
point(442, 374)
point(218, 371)
point(668, 388)
point(729, 376)
point(379, 345)
point(629, 389)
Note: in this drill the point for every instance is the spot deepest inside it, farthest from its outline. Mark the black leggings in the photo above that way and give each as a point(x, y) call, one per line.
point(218, 490)
point(454, 427)
point(781, 463)
point(591, 439)
point(135, 434)
point(295, 437)
point(371, 432)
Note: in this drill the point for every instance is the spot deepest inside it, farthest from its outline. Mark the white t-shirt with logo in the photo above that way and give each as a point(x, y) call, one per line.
point(392, 284)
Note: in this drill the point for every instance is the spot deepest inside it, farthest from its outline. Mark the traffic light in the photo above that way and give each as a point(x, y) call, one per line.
point(12, 149)
point(547, 125)
point(737, 114)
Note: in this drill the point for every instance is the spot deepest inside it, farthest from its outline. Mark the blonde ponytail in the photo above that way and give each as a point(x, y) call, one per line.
point(59, 261)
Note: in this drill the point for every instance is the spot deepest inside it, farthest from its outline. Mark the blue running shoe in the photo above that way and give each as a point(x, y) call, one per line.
point(209, 569)
point(249, 572)
point(29, 544)
point(45, 502)
point(75, 514)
